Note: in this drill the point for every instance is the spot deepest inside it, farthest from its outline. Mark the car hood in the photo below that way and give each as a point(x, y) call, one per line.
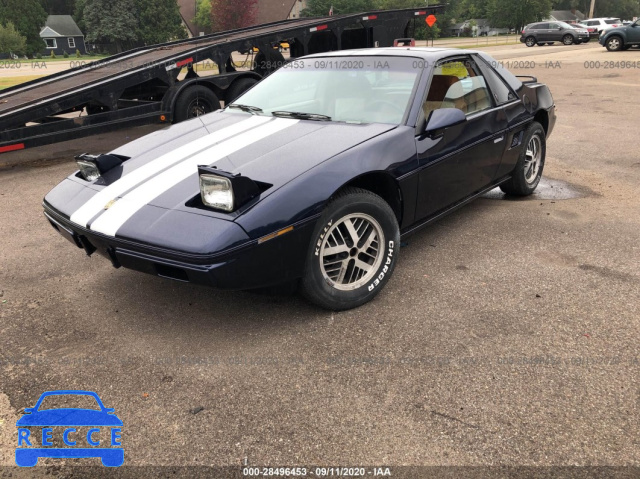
point(161, 172)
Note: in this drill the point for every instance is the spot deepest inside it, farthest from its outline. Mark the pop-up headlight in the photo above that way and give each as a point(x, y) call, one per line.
point(93, 166)
point(224, 191)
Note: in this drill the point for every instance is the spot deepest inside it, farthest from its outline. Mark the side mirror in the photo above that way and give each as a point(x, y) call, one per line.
point(444, 118)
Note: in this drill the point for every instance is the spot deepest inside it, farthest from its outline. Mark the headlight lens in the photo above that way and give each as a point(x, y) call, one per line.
point(216, 192)
point(88, 169)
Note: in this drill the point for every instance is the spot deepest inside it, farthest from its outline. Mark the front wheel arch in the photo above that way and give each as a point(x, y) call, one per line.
point(381, 184)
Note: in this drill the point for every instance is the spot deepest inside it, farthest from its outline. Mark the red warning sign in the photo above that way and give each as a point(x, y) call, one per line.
point(431, 19)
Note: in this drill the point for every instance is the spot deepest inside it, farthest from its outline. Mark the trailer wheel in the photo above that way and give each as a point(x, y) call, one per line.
point(268, 61)
point(238, 87)
point(195, 101)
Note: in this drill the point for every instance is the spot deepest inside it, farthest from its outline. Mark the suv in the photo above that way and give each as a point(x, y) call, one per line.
point(602, 23)
point(621, 38)
point(550, 32)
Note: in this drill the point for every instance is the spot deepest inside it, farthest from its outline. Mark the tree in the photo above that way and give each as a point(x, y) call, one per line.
point(110, 21)
point(59, 7)
point(28, 18)
point(11, 41)
point(203, 15)
point(509, 14)
point(78, 15)
point(320, 8)
point(232, 14)
point(159, 21)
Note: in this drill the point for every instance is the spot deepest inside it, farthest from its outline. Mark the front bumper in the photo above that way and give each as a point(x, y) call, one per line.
point(250, 265)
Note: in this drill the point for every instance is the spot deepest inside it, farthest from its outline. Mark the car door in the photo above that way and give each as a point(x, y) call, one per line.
point(464, 158)
point(633, 32)
point(541, 31)
point(553, 32)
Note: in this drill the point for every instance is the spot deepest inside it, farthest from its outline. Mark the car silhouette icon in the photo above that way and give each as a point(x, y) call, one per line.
point(70, 418)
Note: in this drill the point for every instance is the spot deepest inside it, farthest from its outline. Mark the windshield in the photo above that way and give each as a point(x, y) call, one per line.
point(369, 89)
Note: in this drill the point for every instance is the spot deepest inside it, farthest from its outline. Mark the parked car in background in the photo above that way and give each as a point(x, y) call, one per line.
point(621, 38)
point(602, 23)
point(593, 32)
point(541, 33)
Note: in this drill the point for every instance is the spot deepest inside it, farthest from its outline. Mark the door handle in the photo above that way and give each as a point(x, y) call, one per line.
point(498, 140)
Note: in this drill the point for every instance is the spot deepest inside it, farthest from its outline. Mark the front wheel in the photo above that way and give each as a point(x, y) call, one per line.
point(353, 252)
point(567, 40)
point(614, 44)
point(528, 170)
point(530, 41)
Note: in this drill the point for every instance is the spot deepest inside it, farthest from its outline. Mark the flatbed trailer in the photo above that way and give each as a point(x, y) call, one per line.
point(145, 85)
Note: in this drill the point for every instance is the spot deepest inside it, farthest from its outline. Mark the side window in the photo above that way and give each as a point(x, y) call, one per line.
point(542, 26)
point(457, 84)
point(500, 91)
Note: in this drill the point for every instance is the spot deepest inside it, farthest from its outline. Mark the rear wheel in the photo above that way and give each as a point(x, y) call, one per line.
point(614, 44)
point(586, 40)
point(353, 251)
point(541, 44)
point(530, 41)
point(549, 43)
point(567, 40)
point(528, 170)
point(195, 101)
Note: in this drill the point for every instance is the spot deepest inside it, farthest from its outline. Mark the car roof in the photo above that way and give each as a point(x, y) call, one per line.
point(426, 53)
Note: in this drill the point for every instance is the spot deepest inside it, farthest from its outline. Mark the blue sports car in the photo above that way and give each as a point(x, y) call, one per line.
point(314, 175)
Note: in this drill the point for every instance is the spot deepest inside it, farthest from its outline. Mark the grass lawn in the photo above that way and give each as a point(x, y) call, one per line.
point(6, 82)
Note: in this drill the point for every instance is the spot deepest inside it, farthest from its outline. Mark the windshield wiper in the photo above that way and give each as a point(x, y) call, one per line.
point(248, 108)
point(301, 116)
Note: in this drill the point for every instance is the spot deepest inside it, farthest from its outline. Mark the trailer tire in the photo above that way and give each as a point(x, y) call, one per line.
point(195, 101)
point(268, 61)
point(238, 87)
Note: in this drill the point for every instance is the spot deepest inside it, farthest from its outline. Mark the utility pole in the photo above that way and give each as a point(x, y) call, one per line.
point(593, 6)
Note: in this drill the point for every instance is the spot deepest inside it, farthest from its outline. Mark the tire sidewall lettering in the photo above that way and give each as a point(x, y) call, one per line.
point(385, 268)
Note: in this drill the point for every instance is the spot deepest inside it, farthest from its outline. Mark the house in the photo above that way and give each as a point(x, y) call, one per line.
point(569, 16)
point(266, 11)
point(61, 34)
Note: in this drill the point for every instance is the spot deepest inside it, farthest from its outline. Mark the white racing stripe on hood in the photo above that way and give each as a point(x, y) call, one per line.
point(96, 204)
point(123, 209)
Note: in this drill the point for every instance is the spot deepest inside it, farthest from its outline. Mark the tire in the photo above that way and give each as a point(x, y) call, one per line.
point(614, 44)
point(530, 41)
point(586, 40)
point(195, 101)
point(541, 44)
point(332, 280)
point(568, 40)
point(549, 43)
point(268, 61)
point(528, 170)
point(238, 87)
